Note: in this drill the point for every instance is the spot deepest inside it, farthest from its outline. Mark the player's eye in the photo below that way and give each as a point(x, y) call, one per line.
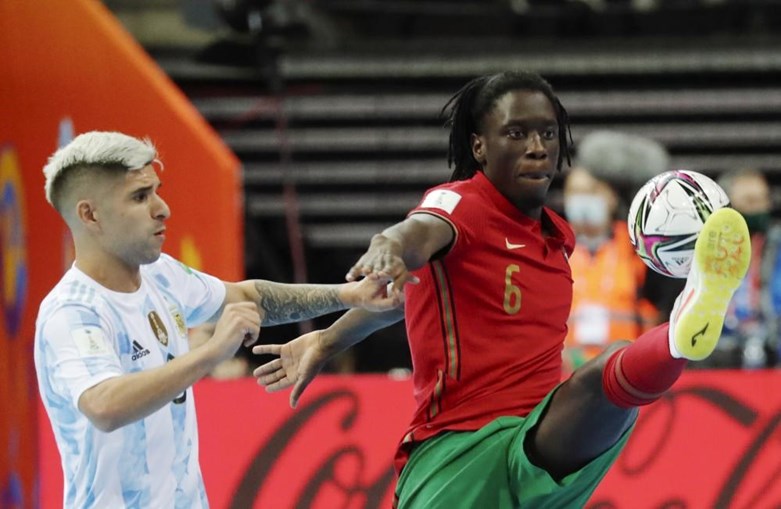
point(516, 133)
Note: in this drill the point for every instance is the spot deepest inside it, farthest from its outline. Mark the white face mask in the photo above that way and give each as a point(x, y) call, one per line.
point(592, 243)
point(587, 209)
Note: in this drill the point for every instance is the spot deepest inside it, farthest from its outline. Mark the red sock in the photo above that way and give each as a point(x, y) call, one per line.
point(640, 373)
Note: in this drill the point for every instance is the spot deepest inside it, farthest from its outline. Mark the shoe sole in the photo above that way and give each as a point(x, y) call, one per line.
point(722, 254)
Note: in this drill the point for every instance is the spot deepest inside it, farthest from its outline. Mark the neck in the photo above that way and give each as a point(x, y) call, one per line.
point(109, 271)
point(534, 212)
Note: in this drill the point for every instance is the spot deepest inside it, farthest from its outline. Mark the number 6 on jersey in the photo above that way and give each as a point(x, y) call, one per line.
point(512, 293)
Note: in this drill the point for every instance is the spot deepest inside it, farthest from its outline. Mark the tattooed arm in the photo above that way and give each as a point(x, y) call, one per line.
point(281, 303)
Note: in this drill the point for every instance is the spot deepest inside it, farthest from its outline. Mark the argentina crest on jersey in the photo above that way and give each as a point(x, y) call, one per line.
point(178, 318)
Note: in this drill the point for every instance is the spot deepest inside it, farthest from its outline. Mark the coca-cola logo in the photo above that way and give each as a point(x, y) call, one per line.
point(700, 446)
point(339, 477)
point(743, 460)
point(714, 441)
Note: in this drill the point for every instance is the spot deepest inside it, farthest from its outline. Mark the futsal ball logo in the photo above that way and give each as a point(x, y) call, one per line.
point(666, 217)
point(13, 252)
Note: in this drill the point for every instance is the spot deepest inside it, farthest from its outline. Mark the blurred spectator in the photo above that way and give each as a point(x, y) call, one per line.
point(751, 327)
point(612, 297)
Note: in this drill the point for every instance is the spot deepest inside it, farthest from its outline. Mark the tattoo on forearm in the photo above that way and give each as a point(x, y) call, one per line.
point(295, 303)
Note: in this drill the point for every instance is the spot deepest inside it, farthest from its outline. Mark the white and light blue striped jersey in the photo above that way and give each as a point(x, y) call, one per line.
point(86, 334)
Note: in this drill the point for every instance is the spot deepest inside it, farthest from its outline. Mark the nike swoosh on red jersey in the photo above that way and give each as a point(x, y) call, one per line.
point(510, 245)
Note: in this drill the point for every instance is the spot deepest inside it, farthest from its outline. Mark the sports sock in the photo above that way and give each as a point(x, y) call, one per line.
point(640, 373)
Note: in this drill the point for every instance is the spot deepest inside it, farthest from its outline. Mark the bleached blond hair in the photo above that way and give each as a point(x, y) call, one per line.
point(96, 150)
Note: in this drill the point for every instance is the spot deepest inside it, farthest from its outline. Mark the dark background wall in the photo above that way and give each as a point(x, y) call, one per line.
point(332, 105)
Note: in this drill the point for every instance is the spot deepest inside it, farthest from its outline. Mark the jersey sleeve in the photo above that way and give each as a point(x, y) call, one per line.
point(200, 295)
point(451, 204)
point(77, 352)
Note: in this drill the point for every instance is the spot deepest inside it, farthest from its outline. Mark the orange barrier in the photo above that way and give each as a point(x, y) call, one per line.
point(713, 442)
point(66, 67)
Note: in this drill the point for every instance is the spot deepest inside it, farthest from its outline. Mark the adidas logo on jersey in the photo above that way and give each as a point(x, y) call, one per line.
point(139, 351)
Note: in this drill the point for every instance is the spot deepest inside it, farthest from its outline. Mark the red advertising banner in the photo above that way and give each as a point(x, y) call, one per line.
point(66, 67)
point(713, 442)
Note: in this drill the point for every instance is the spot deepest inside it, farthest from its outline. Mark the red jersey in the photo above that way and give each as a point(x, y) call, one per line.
point(487, 321)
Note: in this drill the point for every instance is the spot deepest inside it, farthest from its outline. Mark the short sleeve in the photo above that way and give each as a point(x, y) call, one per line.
point(77, 352)
point(200, 295)
point(450, 203)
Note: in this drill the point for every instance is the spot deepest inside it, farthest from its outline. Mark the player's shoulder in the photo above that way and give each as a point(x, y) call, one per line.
point(73, 289)
point(462, 187)
point(72, 295)
point(450, 195)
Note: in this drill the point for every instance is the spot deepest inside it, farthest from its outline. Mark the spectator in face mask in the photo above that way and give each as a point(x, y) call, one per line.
point(751, 327)
point(612, 297)
point(589, 204)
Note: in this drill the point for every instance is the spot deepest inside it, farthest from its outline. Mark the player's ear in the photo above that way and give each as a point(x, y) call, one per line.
point(87, 213)
point(478, 148)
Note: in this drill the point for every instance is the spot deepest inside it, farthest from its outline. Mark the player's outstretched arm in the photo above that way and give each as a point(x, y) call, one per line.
point(303, 358)
point(281, 303)
point(403, 247)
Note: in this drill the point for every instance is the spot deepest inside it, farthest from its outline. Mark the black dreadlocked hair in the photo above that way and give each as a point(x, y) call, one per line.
point(464, 113)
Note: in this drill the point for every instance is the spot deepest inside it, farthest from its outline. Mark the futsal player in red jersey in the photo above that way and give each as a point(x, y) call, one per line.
point(486, 319)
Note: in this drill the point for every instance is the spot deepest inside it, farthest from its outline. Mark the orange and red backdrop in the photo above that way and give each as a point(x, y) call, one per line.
point(66, 67)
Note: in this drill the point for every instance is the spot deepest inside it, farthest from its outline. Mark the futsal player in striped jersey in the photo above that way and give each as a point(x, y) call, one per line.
point(111, 351)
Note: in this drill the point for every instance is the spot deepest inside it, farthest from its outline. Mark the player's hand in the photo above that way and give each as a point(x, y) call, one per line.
point(383, 258)
point(372, 293)
point(239, 323)
point(299, 362)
